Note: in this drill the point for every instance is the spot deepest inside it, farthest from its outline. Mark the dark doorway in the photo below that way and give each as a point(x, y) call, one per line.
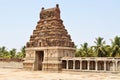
point(39, 59)
point(100, 65)
point(92, 65)
point(70, 64)
point(84, 65)
point(64, 62)
point(77, 64)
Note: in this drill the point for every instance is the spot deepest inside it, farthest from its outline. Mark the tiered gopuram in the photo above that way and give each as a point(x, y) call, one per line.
point(49, 42)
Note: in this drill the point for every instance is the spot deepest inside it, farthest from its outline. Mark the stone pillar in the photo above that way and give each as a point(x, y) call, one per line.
point(73, 64)
point(88, 65)
point(96, 65)
point(80, 64)
point(113, 65)
point(104, 65)
point(116, 65)
point(67, 64)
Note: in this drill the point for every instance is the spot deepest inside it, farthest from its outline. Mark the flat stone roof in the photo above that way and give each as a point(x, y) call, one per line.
point(91, 58)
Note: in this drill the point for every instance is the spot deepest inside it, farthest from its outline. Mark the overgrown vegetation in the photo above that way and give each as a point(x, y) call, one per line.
point(4, 53)
point(100, 49)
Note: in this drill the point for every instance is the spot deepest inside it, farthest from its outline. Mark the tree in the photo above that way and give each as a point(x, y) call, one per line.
point(99, 49)
point(108, 50)
point(115, 47)
point(12, 53)
point(3, 52)
point(23, 51)
point(84, 51)
point(21, 54)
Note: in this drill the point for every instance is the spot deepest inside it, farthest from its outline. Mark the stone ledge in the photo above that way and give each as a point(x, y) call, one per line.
point(45, 48)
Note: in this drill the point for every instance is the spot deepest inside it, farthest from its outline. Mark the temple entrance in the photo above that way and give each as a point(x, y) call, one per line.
point(39, 59)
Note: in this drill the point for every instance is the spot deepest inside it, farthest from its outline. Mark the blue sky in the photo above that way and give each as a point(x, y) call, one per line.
point(85, 20)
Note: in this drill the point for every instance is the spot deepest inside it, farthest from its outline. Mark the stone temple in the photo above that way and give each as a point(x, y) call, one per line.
point(49, 42)
point(50, 48)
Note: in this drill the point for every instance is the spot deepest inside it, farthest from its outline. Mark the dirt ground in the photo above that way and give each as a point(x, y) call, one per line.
point(18, 74)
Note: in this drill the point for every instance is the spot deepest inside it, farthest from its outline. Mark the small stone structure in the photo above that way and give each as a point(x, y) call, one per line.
point(98, 64)
point(49, 42)
point(50, 48)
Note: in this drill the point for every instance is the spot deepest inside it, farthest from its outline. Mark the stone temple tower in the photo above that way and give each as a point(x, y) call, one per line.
point(49, 42)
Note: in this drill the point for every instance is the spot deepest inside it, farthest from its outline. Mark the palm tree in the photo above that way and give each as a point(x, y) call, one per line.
point(115, 47)
point(99, 48)
point(23, 51)
point(91, 52)
point(21, 54)
point(3, 52)
point(12, 53)
point(108, 50)
point(78, 53)
point(84, 50)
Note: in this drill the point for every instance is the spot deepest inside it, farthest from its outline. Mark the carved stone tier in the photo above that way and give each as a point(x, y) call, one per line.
point(50, 31)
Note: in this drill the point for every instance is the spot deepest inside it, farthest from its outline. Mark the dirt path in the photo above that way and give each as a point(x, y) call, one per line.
point(18, 74)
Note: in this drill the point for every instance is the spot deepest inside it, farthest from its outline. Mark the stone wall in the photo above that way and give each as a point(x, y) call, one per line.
point(11, 63)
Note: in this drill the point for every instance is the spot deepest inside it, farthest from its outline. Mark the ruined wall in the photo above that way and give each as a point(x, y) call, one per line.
point(11, 63)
